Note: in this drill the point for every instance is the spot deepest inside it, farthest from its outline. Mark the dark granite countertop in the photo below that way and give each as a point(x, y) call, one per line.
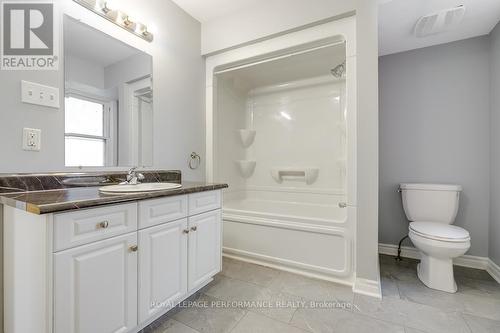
point(60, 200)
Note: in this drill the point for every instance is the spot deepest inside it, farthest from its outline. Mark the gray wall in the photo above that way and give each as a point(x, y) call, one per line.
point(495, 146)
point(15, 115)
point(434, 127)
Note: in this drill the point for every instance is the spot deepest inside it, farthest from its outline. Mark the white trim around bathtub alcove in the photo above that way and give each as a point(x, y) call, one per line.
point(368, 287)
point(331, 33)
point(494, 270)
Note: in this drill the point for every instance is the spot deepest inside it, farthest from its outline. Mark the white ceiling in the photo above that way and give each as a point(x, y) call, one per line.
point(397, 20)
point(87, 43)
point(206, 10)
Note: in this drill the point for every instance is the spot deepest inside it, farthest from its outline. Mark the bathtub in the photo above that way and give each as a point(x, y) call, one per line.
point(304, 234)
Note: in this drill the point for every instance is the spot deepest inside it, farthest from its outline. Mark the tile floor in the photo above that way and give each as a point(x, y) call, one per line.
point(317, 306)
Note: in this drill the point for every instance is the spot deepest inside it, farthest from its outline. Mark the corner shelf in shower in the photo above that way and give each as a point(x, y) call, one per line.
point(246, 136)
point(246, 167)
point(307, 175)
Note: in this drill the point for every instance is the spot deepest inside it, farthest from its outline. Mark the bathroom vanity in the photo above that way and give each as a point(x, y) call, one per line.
point(78, 260)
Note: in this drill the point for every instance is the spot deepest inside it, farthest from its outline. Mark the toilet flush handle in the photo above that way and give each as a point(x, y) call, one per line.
point(342, 204)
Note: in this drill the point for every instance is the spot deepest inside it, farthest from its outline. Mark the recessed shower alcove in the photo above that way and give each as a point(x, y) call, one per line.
point(283, 138)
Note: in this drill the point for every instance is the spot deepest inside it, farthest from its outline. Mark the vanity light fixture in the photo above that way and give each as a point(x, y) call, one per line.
point(117, 17)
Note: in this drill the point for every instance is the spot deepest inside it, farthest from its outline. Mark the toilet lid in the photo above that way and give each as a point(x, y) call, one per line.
point(440, 231)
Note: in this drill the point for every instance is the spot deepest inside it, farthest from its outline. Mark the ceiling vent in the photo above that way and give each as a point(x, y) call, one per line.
point(438, 22)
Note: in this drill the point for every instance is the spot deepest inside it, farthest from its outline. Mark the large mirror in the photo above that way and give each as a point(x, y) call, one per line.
point(108, 101)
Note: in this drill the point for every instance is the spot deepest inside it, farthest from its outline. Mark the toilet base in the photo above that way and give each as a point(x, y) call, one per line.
point(437, 273)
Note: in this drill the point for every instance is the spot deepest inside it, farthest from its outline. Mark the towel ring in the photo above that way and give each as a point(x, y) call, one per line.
point(194, 161)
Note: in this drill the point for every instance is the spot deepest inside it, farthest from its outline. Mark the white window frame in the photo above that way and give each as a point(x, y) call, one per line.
point(109, 126)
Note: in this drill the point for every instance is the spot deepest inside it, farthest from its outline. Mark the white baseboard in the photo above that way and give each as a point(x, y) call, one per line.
point(367, 287)
point(472, 262)
point(464, 261)
point(392, 250)
point(494, 270)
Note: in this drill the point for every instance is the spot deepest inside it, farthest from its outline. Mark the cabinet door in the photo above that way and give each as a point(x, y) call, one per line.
point(162, 267)
point(95, 287)
point(204, 247)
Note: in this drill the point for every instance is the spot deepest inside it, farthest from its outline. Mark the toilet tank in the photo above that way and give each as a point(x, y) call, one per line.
point(430, 202)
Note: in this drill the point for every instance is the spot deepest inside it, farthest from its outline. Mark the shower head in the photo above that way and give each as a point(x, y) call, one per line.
point(339, 71)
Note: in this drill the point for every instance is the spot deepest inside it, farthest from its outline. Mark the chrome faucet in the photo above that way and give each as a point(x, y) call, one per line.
point(133, 177)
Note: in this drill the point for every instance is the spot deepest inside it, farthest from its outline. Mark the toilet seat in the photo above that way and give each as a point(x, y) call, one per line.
point(440, 231)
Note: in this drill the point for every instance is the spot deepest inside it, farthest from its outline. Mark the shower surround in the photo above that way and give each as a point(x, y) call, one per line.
point(288, 185)
point(282, 133)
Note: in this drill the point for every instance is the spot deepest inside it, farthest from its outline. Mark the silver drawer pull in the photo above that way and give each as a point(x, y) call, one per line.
point(133, 248)
point(185, 231)
point(194, 228)
point(103, 224)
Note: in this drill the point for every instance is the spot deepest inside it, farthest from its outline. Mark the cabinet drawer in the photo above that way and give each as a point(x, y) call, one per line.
point(204, 201)
point(90, 225)
point(158, 211)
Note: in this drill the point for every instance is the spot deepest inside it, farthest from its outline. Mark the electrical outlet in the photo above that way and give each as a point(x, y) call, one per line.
point(32, 139)
point(34, 93)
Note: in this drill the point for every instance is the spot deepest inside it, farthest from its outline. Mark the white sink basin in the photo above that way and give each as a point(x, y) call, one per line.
point(144, 187)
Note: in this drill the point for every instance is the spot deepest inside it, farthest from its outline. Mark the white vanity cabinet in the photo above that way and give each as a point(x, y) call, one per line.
point(109, 269)
point(163, 260)
point(204, 247)
point(95, 287)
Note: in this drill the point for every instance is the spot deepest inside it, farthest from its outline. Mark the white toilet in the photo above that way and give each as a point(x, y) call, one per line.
point(432, 209)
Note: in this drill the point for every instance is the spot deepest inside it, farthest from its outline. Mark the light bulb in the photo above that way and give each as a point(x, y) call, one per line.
point(101, 6)
point(141, 28)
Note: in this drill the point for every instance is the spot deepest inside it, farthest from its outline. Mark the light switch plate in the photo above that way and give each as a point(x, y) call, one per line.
point(34, 93)
point(32, 139)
